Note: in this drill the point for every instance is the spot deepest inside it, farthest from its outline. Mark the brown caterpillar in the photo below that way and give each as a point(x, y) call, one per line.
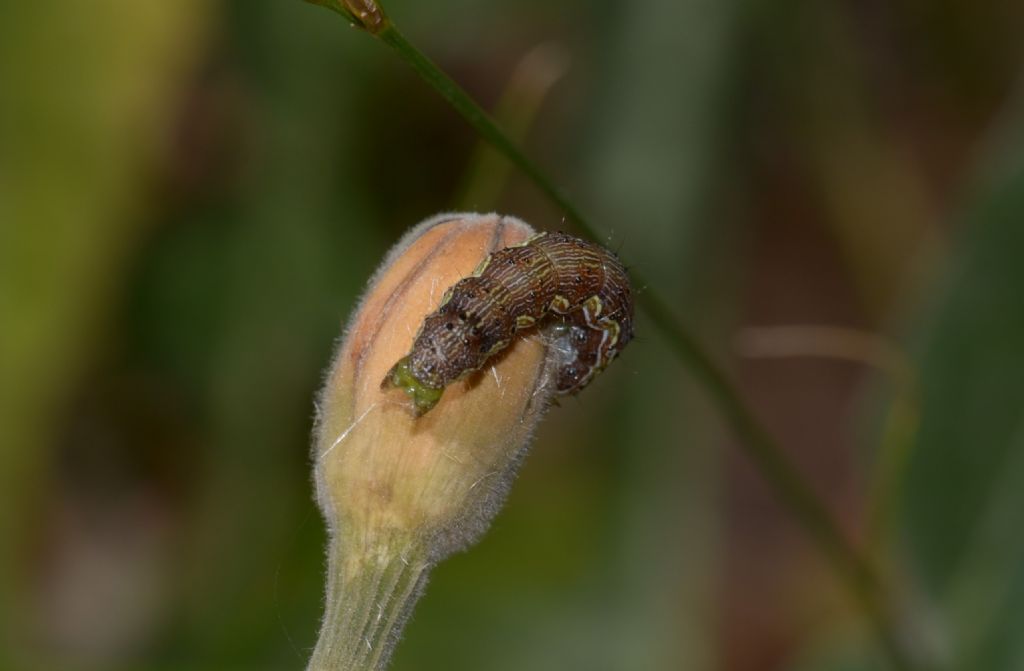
point(553, 276)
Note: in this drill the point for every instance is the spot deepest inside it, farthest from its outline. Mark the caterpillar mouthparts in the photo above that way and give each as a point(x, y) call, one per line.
point(423, 397)
point(578, 289)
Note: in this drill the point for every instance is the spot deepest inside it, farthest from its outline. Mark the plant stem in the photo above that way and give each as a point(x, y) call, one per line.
point(370, 594)
point(529, 85)
point(480, 121)
point(855, 571)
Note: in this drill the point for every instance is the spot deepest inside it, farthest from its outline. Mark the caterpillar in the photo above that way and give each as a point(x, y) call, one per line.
point(579, 289)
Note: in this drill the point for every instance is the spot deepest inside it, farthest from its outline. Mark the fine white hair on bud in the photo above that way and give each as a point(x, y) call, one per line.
point(400, 491)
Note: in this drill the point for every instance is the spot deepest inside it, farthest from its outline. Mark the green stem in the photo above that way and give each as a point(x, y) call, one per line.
point(480, 121)
point(855, 571)
point(488, 169)
point(370, 593)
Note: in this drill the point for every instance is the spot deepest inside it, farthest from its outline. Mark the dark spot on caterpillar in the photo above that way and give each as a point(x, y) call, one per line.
point(522, 285)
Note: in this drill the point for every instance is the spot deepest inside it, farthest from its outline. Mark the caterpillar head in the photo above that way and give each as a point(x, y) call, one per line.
point(449, 345)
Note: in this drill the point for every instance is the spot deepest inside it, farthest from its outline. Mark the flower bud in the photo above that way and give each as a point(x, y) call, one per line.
point(400, 491)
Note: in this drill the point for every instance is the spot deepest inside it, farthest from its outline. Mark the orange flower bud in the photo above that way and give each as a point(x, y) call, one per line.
point(400, 491)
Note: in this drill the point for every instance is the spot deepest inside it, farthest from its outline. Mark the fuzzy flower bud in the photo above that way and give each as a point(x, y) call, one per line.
point(401, 490)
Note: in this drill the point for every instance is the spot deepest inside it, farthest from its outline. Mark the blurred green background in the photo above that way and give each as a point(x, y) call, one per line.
point(193, 193)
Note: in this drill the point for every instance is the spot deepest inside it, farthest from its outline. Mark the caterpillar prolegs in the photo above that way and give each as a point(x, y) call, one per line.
point(577, 288)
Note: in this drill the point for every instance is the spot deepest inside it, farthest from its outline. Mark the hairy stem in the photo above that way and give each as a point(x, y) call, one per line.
point(370, 594)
